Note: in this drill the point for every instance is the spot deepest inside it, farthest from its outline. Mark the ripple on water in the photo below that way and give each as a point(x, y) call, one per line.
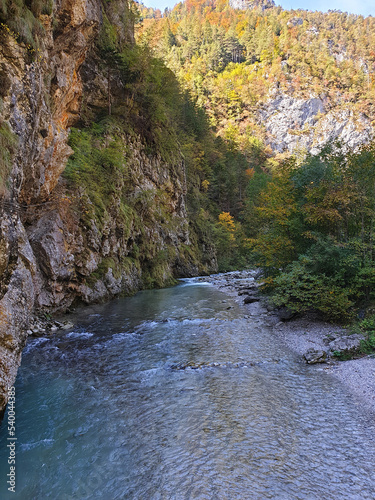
point(79, 335)
point(101, 414)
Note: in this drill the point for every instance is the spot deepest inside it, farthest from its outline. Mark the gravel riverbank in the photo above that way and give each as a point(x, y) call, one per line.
point(303, 334)
point(358, 375)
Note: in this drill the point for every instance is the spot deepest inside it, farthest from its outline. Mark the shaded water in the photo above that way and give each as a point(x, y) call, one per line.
point(102, 415)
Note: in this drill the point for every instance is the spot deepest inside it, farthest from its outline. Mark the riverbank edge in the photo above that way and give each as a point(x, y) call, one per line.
point(303, 333)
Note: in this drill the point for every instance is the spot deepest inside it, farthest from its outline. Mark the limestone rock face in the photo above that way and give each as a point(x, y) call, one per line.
point(40, 100)
point(49, 244)
point(293, 123)
point(43, 96)
point(16, 300)
point(250, 4)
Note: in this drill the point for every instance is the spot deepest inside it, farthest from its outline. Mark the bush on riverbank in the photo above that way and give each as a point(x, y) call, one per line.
point(316, 236)
point(366, 327)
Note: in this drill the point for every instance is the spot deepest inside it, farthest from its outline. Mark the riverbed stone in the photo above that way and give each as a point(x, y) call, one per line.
point(67, 325)
point(347, 343)
point(250, 299)
point(256, 309)
point(313, 356)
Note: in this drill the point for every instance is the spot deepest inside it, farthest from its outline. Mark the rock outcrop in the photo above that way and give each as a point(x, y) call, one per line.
point(40, 99)
point(251, 4)
point(293, 124)
point(346, 344)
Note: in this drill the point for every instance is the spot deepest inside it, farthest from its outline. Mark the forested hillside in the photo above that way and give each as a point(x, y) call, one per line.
point(284, 77)
point(281, 87)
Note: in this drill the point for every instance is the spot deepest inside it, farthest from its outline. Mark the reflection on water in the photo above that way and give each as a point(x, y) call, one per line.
point(101, 413)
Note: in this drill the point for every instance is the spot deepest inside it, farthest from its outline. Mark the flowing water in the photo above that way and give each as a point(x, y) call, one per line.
point(110, 411)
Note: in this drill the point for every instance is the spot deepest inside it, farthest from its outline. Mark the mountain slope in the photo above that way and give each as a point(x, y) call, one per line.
point(292, 79)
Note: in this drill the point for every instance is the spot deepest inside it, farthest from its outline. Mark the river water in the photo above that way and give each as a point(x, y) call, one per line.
point(103, 412)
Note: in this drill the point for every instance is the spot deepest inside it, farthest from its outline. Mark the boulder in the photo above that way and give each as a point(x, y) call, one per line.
point(250, 299)
point(348, 343)
point(285, 314)
point(313, 356)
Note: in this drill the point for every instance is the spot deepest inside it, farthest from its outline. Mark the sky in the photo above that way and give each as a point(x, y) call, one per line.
point(363, 7)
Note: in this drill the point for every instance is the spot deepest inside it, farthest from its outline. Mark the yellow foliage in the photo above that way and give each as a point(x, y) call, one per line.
point(226, 220)
point(205, 185)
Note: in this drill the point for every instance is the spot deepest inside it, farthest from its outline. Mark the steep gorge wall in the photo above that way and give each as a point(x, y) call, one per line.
point(36, 114)
point(55, 249)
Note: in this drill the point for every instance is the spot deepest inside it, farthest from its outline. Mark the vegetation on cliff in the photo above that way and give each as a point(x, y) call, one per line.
point(23, 19)
point(146, 101)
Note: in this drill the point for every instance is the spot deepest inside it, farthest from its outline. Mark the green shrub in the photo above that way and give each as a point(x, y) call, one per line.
point(22, 19)
point(366, 327)
point(108, 40)
point(98, 164)
point(368, 345)
point(301, 290)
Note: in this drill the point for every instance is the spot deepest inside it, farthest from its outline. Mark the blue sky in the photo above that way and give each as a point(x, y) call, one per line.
point(364, 7)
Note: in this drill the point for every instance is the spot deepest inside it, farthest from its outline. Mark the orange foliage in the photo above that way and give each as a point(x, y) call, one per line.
point(250, 173)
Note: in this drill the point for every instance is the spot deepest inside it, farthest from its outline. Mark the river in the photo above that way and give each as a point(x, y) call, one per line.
point(110, 409)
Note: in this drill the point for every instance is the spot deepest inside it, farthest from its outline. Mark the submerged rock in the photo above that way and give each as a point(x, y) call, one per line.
point(42, 326)
point(199, 366)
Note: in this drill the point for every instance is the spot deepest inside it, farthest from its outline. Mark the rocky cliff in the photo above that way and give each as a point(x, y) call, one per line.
point(251, 4)
point(293, 124)
point(60, 240)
